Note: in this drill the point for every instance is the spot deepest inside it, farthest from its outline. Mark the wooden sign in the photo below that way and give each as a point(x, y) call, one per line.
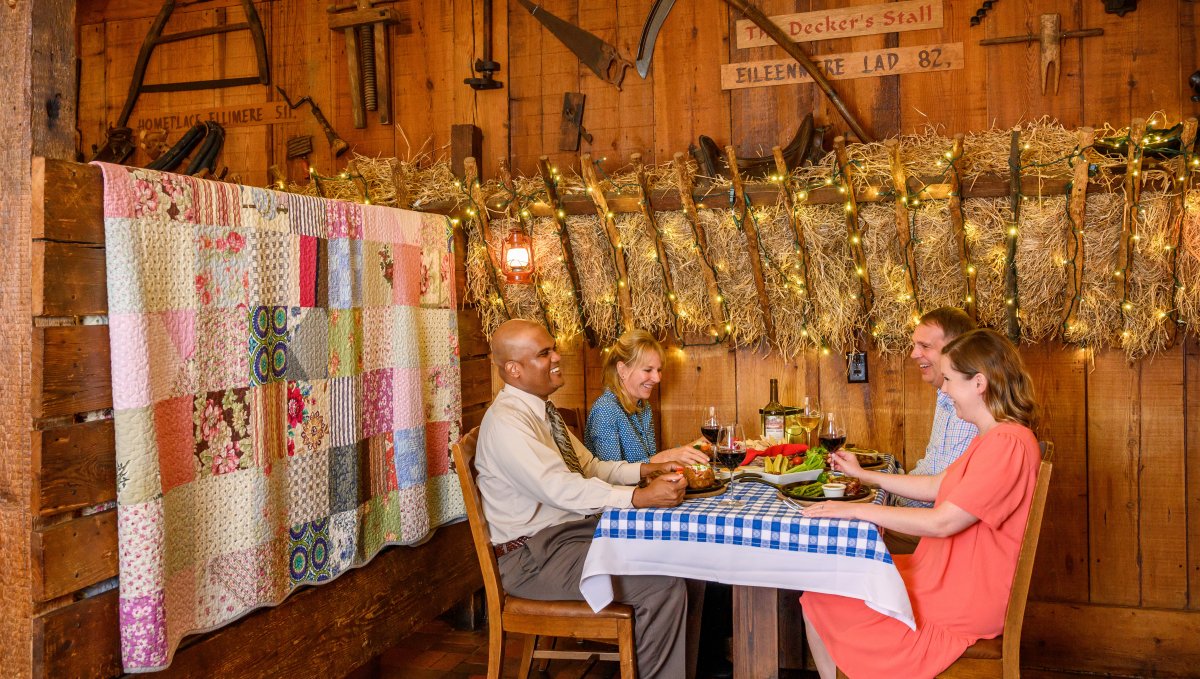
point(846, 22)
point(845, 66)
point(243, 115)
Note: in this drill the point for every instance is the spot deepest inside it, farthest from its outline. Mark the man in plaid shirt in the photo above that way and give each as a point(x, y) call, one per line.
point(950, 435)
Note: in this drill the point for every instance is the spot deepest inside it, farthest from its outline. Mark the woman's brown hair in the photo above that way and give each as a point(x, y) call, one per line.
point(1009, 394)
point(628, 349)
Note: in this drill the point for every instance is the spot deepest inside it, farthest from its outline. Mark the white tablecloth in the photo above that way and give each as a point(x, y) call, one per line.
point(764, 543)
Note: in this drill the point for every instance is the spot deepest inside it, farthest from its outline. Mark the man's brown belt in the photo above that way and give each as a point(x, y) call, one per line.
point(510, 546)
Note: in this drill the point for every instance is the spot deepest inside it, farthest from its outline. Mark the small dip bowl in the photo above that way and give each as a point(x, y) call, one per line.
point(833, 489)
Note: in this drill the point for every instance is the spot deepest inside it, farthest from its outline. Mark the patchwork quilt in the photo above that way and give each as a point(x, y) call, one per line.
point(285, 386)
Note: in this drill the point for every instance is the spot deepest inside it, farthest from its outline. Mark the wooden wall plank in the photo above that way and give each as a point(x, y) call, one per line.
point(471, 342)
point(688, 101)
point(302, 65)
point(542, 68)
point(72, 364)
point(923, 96)
point(1111, 639)
point(79, 640)
point(872, 412)
point(75, 466)
point(1119, 82)
point(71, 555)
point(476, 381)
point(1060, 386)
point(338, 626)
point(342, 624)
point(75, 211)
point(1019, 65)
point(1113, 421)
point(797, 378)
point(68, 280)
point(1162, 518)
point(920, 404)
point(693, 379)
point(1191, 380)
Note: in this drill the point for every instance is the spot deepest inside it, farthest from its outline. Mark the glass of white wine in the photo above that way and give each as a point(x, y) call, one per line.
point(809, 417)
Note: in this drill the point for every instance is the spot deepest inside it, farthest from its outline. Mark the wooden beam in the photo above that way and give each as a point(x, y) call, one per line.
point(1010, 254)
point(741, 212)
point(959, 224)
point(791, 203)
point(466, 141)
point(601, 205)
point(75, 213)
point(716, 301)
point(564, 240)
point(1180, 184)
point(478, 215)
point(1077, 212)
point(866, 296)
point(68, 279)
point(660, 252)
point(1133, 195)
point(903, 220)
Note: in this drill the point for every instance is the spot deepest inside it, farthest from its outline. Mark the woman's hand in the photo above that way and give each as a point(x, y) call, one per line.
point(685, 455)
point(845, 462)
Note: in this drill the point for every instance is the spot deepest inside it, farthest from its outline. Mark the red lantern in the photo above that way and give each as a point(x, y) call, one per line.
point(517, 257)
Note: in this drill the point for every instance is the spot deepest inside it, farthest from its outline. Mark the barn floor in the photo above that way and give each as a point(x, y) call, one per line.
point(438, 651)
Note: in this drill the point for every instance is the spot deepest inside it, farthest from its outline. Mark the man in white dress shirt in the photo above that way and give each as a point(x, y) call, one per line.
point(542, 490)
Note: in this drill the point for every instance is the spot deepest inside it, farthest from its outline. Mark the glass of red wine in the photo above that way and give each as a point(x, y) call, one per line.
point(831, 433)
point(709, 427)
point(731, 450)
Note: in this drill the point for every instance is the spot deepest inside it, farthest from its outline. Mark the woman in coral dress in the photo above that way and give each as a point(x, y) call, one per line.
point(960, 576)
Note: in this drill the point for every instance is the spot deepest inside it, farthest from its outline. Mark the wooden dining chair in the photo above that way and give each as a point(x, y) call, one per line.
point(535, 618)
point(1001, 657)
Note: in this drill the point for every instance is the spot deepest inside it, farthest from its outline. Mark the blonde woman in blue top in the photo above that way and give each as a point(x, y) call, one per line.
point(620, 426)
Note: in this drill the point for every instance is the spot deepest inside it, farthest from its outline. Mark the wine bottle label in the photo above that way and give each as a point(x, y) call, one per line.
point(773, 426)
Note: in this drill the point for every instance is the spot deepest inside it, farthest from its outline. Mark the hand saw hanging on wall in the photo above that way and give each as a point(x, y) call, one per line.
point(601, 57)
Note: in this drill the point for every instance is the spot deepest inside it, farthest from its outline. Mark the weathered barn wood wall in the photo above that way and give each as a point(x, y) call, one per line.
point(1117, 584)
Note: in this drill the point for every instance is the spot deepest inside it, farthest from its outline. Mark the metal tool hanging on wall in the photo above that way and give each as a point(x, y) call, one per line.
point(486, 65)
point(338, 145)
point(601, 57)
point(654, 22)
point(119, 145)
point(368, 57)
point(571, 128)
point(805, 147)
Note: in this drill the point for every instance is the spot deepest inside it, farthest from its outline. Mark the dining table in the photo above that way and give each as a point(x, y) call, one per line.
point(759, 547)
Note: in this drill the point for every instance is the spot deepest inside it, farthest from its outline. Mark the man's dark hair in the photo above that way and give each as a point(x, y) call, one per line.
point(952, 320)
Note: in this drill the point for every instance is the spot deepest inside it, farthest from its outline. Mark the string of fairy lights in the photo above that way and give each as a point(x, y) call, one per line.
point(1166, 145)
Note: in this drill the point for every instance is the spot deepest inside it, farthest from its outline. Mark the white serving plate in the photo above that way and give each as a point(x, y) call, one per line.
point(782, 479)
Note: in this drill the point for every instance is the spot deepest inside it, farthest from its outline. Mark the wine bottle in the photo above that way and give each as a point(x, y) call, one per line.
point(773, 416)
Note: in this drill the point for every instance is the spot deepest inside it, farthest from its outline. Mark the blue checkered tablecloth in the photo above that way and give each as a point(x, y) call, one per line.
point(763, 521)
point(764, 542)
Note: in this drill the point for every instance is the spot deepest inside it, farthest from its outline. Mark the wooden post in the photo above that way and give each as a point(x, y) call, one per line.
point(660, 252)
point(866, 296)
point(1179, 185)
point(483, 222)
point(1133, 194)
point(741, 212)
point(516, 210)
point(614, 239)
point(37, 57)
point(960, 227)
point(903, 220)
point(1077, 210)
point(1010, 254)
point(564, 239)
point(716, 301)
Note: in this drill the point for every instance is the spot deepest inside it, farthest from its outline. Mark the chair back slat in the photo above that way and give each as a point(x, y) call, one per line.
point(463, 454)
point(1015, 617)
point(572, 419)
